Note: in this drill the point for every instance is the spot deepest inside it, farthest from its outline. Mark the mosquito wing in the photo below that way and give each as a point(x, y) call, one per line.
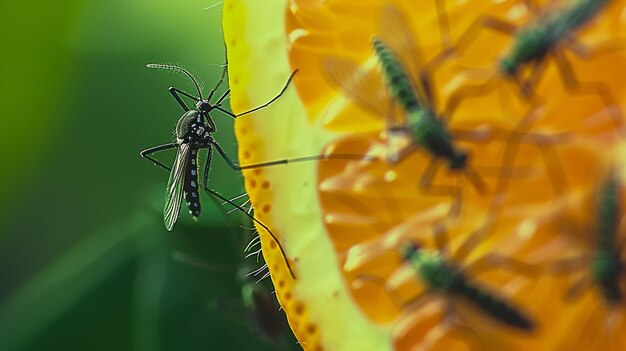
point(174, 190)
point(363, 86)
point(395, 33)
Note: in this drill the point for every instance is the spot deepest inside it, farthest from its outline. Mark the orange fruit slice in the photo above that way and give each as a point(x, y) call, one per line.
point(340, 221)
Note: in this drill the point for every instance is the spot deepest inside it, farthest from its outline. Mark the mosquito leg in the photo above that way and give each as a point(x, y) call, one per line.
point(149, 151)
point(578, 288)
point(495, 261)
point(219, 82)
point(176, 91)
point(567, 265)
point(574, 86)
point(531, 82)
point(465, 92)
point(605, 47)
point(482, 22)
point(237, 167)
point(444, 23)
point(441, 238)
point(475, 238)
point(427, 186)
point(274, 238)
point(273, 99)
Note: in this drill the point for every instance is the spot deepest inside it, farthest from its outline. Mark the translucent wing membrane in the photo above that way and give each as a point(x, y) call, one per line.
point(174, 190)
point(363, 86)
point(395, 32)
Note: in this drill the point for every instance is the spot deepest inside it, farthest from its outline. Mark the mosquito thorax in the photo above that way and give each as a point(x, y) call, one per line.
point(191, 127)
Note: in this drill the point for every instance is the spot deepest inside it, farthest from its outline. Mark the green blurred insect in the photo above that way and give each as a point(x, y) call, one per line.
point(443, 273)
point(410, 89)
point(606, 263)
point(406, 84)
point(548, 35)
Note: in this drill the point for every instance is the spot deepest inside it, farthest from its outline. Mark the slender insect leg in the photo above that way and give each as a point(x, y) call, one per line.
point(496, 261)
point(427, 186)
point(284, 161)
point(482, 22)
point(453, 318)
point(149, 151)
point(441, 238)
point(274, 238)
point(176, 91)
point(568, 265)
point(465, 92)
point(444, 23)
point(574, 86)
point(475, 238)
point(531, 82)
point(219, 82)
point(579, 287)
point(605, 47)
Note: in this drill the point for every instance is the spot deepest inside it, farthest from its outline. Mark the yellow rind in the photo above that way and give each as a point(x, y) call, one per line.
point(318, 305)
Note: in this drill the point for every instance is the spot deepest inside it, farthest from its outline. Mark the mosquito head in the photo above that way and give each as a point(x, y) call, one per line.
point(458, 161)
point(508, 66)
point(204, 106)
point(409, 249)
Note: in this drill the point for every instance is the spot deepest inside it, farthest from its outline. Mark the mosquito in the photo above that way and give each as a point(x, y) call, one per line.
point(548, 36)
point(407, 85)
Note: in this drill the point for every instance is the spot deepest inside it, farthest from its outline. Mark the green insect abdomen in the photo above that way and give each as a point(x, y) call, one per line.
point(608, 215)
point(495, 307)
point(396, 77)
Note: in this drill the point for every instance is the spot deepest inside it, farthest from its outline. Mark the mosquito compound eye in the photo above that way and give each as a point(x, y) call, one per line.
point(203, 105)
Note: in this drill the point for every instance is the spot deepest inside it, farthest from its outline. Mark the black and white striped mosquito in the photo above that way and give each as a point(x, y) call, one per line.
point(193, 132)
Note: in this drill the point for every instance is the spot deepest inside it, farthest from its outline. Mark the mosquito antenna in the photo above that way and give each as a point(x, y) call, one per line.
point(178, 69)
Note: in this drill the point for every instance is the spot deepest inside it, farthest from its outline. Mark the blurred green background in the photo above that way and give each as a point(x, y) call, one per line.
point(86, 261)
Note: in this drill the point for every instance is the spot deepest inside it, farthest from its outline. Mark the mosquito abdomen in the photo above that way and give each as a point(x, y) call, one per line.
point(192, 195)
point(496, 307)
point(396, 77)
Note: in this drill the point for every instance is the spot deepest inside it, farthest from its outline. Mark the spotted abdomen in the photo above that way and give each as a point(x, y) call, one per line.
point(192, 195)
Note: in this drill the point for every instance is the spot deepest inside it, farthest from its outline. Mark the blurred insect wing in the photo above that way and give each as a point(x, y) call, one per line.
point(174, 190)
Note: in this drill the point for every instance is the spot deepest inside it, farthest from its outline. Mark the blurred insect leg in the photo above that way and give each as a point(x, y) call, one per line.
point(475, 238)
point(274, 238)
point(274, 98)
point(465, 92)
point(602, 48)
point(441, 238)
point(149, 151)
point(453, 319)
point(531, 82)
point(481, 23)
point(567, 265)
point(574, 86)
point(219, 83)
point(495, 261)
point(430, 189)
point(176, 91)
point(579, 287)
point(444, 23)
